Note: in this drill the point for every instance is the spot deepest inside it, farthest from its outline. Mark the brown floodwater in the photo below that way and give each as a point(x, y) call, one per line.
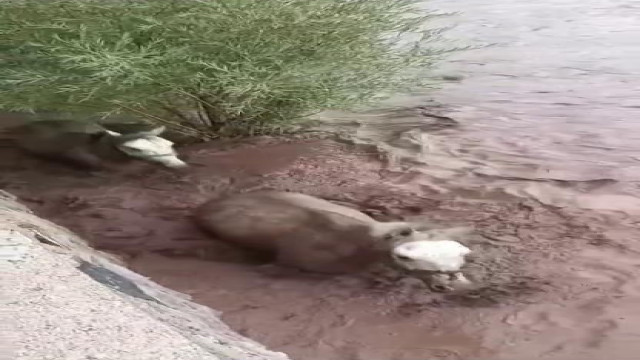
point(544, 166)
point(549, 111)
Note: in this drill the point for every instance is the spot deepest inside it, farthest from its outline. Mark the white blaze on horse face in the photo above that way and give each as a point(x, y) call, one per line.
point(153, 148)
point(427, 255)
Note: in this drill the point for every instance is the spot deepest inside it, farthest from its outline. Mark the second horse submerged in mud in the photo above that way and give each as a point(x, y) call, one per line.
point(315, 235)
point(90, 146)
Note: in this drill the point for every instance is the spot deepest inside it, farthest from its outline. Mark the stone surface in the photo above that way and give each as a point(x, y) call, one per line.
point(64, 300)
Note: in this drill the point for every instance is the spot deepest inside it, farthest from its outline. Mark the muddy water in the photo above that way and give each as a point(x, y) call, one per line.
point(550, 112)
point(544, 166)
point(554, 97)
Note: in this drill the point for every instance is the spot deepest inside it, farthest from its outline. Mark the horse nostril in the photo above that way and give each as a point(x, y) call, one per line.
point(438, 288)
point(406, 232)
point(403, 257)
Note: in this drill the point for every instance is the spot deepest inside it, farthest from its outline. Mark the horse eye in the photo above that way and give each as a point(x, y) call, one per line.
point(403, 257)
point(406, 232)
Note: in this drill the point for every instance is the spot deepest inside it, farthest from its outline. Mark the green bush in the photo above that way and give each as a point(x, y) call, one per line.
point(229, 66)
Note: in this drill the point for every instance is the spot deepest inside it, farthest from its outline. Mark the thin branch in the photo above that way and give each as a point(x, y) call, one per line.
point(168, 122)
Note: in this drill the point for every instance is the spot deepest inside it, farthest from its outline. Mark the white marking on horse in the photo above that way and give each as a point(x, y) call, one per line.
point(431, 255)
point(150, 147)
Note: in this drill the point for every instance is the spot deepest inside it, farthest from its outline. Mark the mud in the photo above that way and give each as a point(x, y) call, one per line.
point(523, 249)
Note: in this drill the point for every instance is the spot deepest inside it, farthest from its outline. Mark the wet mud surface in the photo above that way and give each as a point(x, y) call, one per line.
point(525, 251)
point(544, 166)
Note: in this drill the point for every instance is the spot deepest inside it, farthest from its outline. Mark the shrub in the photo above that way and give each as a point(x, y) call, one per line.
point(230, 66)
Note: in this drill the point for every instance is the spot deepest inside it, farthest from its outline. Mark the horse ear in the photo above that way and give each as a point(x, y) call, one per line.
point(144, 133)
point(156, 131)
point(152, 132)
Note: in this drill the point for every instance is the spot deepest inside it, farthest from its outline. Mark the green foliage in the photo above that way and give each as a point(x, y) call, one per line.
point(229, 65)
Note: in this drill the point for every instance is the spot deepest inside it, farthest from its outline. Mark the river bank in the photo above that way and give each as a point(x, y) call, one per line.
point(65, 300)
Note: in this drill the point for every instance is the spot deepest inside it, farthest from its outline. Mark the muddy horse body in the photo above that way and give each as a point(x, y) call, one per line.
point(300, 231)
point(90, 146)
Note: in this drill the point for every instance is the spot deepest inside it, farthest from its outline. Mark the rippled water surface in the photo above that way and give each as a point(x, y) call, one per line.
point(549, 111)
point(554, 97)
